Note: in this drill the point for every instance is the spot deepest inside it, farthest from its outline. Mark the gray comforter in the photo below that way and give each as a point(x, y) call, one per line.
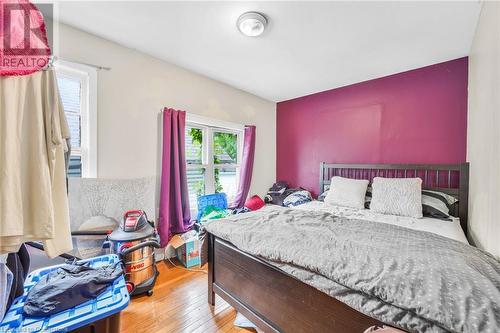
point(415, 280)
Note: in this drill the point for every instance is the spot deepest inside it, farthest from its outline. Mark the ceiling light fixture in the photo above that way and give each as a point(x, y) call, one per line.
point(252, 24)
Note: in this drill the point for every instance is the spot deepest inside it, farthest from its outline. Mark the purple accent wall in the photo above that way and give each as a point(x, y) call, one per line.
point(419, 116)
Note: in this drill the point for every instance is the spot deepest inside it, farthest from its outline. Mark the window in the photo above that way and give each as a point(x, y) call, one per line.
point(78, 91)
point(213, 156)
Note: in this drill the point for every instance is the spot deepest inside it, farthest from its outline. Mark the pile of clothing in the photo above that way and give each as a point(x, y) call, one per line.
point(71, 284)
point(280, 194)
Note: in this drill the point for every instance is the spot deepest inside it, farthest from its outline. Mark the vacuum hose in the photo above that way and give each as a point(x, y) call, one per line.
point(131, 249)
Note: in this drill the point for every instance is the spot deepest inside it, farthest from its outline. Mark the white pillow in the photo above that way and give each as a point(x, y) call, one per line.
point(397, 196)
point(347, 192)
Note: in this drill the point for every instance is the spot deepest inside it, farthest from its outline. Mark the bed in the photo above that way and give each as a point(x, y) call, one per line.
point(277, 301)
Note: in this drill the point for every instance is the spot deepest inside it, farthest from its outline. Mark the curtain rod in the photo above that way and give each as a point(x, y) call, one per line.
point(83, 63)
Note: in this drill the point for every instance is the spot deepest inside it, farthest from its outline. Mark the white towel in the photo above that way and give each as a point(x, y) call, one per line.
point(242, 321)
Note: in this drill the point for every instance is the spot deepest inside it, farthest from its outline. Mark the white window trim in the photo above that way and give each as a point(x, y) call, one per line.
point(88, 130)
point(206, 121)
point(208, 126)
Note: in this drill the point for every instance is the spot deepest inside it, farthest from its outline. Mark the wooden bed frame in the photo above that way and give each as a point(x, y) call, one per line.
point(278, 302)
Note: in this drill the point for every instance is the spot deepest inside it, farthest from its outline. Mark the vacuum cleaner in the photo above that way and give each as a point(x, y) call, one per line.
point(134, 241)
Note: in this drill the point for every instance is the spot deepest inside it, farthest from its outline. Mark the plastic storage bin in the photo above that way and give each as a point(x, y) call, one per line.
point(218, 200)
point(101, 314)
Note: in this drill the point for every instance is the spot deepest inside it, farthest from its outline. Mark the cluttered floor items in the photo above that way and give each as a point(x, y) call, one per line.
point(190, 248)
point(87, 295)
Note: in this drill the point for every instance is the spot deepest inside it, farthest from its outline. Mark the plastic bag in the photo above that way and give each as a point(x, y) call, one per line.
point(213, 213)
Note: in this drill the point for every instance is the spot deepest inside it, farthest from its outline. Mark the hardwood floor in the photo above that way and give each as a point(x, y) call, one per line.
point(179, 304)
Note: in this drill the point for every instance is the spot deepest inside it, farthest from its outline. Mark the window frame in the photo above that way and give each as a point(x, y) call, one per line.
point(87, 76)
point(209, 127)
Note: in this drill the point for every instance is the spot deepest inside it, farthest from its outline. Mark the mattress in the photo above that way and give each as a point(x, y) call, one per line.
point(450, 229)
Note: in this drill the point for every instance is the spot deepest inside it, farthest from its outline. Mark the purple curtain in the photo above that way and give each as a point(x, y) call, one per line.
point(246, 167)
point(174, 199)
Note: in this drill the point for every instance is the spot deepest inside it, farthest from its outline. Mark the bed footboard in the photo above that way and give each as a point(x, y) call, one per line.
point(272, 299)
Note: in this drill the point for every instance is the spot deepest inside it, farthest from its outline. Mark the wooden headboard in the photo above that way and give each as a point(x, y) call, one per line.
point(452, 179)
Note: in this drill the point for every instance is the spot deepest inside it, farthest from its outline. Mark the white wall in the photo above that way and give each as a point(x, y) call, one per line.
point(132, 93)
point(483, 147)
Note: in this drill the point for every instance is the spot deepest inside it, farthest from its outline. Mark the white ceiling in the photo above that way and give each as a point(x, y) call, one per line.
point(308, 46)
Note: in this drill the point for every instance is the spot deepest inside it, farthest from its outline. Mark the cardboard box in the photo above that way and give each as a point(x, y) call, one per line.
point(187, 248)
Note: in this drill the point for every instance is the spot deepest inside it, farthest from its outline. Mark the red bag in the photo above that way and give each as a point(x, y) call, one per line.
point(255, 203)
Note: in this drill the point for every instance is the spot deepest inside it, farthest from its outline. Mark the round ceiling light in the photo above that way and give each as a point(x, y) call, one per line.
point(252, 24)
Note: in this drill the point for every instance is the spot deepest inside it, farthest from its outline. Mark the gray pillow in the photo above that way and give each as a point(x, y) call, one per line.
point(437, 204)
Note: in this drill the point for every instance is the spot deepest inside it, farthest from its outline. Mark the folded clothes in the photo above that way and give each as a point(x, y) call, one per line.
point(278, 199)
point(297, 198)
point(68, 286)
